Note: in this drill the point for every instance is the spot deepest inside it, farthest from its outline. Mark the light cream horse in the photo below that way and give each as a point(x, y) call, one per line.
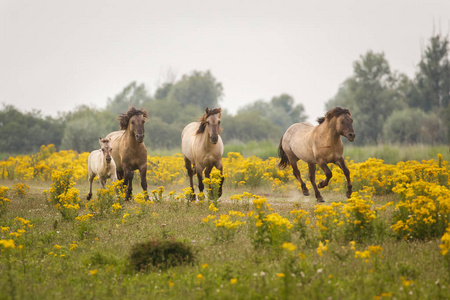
point(102, 164)
point(202, 146)
point(320, 145)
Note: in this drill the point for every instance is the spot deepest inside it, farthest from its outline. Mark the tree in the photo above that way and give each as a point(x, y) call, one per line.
point(26, 132)
point(249, 126)
point(281, 110)
point(85, 125)
point(413, 125)
point(371, 95)
point(199, 88)
point(431, 89)
point(132, 95)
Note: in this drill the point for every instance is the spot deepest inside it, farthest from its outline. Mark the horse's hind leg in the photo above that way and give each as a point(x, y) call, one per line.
point(312, 178)
point(190, 171)
point(299, 178)
point(341, 164)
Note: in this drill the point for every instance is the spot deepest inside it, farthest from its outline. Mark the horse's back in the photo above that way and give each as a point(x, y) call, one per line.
point(187, 139)
point(298, 140)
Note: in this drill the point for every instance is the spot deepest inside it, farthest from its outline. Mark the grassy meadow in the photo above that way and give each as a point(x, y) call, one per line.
point(261, 240)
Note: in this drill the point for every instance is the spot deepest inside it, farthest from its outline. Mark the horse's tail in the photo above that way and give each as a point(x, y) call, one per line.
point(284, 159)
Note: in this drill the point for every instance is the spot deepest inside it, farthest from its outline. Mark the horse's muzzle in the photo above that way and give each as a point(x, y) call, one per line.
point(351, 136)
point(139, 138)
point(108, 159)
point(214, 139)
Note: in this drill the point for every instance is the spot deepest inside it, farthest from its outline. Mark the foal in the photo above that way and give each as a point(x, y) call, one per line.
point(101, 163)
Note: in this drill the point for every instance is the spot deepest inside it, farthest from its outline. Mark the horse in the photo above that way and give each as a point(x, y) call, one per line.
point(129, 151)
point(202, 146)
point(320, 145)
point(102, 164)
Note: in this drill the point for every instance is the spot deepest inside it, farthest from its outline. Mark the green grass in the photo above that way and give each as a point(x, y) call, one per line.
point(99, 268)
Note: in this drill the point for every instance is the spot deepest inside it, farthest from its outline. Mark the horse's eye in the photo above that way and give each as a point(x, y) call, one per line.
point(132, 122)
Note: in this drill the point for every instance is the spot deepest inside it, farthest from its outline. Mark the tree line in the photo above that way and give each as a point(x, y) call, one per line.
point(386, 106)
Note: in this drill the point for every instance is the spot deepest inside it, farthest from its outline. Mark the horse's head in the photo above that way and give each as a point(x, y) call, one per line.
point(211, 122)
point(106, 149)
point(344, 126)
point(344, 122)
point(133, 121)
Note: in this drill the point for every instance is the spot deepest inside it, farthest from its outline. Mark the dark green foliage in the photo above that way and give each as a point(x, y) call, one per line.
point(160, 254)
point(26, 132)
point(431, 87)
point(85, 125)
point(371, 94)
point(199, 88)
point(132, 95)
point(414, 126)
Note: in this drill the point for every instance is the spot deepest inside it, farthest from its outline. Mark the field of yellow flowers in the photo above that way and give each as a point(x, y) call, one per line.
point(261, 239)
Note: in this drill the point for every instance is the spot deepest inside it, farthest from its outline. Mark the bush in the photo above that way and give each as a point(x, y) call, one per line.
point(157, 254)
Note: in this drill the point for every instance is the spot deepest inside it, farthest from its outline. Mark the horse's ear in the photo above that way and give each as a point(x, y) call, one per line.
point(207, 111)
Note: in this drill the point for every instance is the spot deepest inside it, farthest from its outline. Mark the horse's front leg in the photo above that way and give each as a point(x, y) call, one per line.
point(343, 166)
point(128, 181)
point(222, 179)
point(143, 175)
point(91, 179)
point(190, 171)
point(199, 171)
point(328, 175)
point(312, 178)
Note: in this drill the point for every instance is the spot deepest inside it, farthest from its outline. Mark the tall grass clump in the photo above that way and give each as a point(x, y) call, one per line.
point(160, 254)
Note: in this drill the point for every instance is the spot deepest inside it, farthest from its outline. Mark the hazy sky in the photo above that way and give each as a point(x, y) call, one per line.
point(56, 55)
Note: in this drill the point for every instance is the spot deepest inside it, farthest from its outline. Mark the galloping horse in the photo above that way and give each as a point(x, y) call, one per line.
point(101, 163)
point(320, 145)
point(202, 145)
point(129, 151)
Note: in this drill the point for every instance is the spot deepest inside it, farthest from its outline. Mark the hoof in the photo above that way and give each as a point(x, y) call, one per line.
point(321, 185)
point(305, 193)
point(89, 196)
point(320, 200)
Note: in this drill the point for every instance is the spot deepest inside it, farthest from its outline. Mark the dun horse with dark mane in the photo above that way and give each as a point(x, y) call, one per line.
point(129, 151)
point(202, 146)
point(320, 145)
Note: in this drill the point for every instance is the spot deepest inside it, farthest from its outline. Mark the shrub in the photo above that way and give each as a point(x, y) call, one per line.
point(160, 254)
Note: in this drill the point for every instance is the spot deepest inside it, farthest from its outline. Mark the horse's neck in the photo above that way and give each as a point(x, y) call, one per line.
point(130, 138)
point(205, 142)
point(328, 131)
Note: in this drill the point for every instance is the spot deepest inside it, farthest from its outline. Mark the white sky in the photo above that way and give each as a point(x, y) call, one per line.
point(56, 55)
